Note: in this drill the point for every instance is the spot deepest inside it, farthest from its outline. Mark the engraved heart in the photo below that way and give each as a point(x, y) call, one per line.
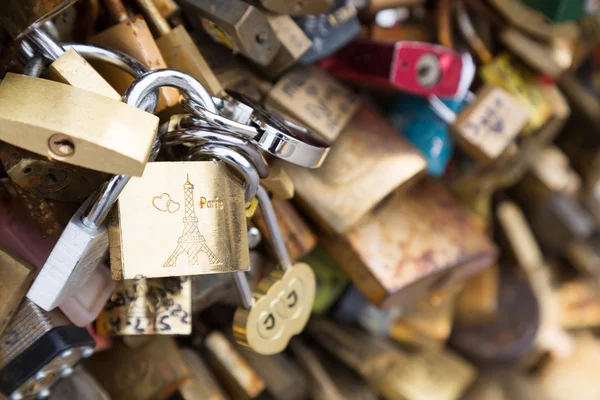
point(161, 203)
point(173, 206)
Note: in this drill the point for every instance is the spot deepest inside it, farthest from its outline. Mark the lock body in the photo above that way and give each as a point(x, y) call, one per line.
point(293, 44)
point(148, 306)
point(430, 260)
point(15, 277)
point(315, 99)
point(182, 218)
point(37, 349)
point(86, 137)
point(351, 180)
point(202, 383)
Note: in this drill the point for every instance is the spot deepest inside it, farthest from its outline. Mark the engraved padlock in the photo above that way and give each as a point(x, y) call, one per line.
point(280, 306)
point(84, 240)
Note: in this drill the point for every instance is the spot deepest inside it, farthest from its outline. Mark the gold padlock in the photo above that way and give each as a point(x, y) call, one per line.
point(16, 276)
point(316, 99)
point(368, 161)
point(178, 48)
point(278, 183)
point(147, 307)
point(132, 37)
point(103, 134)
point(431, 242)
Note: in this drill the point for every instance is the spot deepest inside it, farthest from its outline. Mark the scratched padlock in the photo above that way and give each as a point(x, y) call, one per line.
point(402, 269)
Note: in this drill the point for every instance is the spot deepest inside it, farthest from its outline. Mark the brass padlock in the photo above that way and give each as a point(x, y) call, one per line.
point(19, 17)
point(239, 378)
point(15, 277)
point(132, 37)
point(368, 161)
point(118, 144)
point(297, 235)
point(147, 307)
point(202, 383)
point(237, 25)
point(178, 48)
point(293, 44)
point(402, 269)
point(316, 99)
point(153, 370)
point(278, 183)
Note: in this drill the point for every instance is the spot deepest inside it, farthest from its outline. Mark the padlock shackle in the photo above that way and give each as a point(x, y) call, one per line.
point(194, 132)
point(266, 206)
point(46, 45)
point(243, 288)
point(35, 66)
point(137, 93)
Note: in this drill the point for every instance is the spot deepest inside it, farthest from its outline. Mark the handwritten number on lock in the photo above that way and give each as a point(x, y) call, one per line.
point(269, 322)
point(292, 295)
point(164, 326)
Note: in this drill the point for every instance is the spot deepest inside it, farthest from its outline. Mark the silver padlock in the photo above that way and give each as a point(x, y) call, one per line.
point(84, 241)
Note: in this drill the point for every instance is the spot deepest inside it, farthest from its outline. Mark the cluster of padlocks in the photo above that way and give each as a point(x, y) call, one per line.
point(299, 199)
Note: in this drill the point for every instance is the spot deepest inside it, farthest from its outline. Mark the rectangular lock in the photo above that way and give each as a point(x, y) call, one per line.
point(15, 277)
point(37, 349)
point(293, 44)
point(237, 25)
point(18, 17)
point(399, 269)
point(202, 383)
point(298, 236)
point(147, 307)
point(238, 377)
point(82, 135)
point(315, 99)
point(80, 385)
point(182, 218)
point(152, 371)
point(489, 125)
point(368, 161)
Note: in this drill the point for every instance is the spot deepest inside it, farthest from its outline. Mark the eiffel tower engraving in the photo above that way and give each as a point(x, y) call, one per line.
point(191, 241)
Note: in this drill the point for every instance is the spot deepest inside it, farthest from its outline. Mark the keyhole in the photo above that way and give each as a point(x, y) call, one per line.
point(51, 178)
point(423, 71)
point(61, 145)
point(27, 170)
point(261, 38)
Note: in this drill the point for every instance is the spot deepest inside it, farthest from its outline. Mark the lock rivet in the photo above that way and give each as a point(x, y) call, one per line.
point(61, 145)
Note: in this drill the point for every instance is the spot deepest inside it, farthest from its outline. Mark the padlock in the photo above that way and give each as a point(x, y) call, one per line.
point(281, 304)
point(293, 44)
point(297, 235)
point(16, 275)
point(278, 183)
point(579, 303)
point(154, 370)
point(238, 25)
point(331, 280)
point(19, 17)
point(148, 306)
point(169, 9)
point(132, 37)
point(478, 300)
point(50, 180)
point(415, 67)
point(550, 336)
point(282, 376)
point(357, 174)
point(551, 172)
point(329, 31)
point(506, 335)
point(426, 325)
point(202, 384)
point(315, 99)
point(321, 384)
point(392, 372)
point(178, 48)
point(487, 126)
point(296, 7)
point(80, 385)
point(67, 66)
point(239, 378)
point(402, 268)
point(84, 240)
point(37, 349)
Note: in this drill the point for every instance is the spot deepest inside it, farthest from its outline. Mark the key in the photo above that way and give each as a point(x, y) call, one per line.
point(153, 370)
point(37, 349)
point(280, 306)
point(401, 269)
point(19, 17)
point(15, 277)
point(202, 383)
point(238, 25)
point(148, 306)
point(179, 50)
point(132, 37)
